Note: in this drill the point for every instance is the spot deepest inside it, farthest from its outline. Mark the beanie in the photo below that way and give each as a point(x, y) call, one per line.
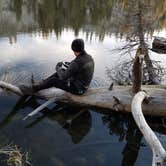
point(77, 45)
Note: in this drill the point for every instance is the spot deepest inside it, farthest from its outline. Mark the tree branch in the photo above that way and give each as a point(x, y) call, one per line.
point(159, 154)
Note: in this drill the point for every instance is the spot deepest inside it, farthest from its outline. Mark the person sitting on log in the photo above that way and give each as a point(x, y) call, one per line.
point(73, 77)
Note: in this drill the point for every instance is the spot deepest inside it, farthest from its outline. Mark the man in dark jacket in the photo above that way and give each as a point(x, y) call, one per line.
point(73, 77)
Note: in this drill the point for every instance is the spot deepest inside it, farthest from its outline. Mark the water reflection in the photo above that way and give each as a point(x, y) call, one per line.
point(13, 112)
point(78, 123)
point(126, 129)
point(93, 17)
point(67, 135)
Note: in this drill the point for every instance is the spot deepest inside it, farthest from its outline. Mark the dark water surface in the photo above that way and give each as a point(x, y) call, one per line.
point(34, 36)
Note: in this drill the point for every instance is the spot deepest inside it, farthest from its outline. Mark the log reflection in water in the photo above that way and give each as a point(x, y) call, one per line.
point(120, 125)
point(125, 127)
point(80, 119)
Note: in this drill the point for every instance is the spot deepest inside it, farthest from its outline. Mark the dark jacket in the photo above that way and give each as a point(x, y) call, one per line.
point(79, 72)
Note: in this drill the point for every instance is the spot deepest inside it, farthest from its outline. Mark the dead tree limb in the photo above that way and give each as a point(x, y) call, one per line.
point(159, 154)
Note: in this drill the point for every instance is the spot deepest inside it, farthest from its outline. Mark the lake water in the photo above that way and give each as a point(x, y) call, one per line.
point(32, 42)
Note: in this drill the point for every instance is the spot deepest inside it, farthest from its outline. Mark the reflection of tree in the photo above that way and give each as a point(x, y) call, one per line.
point(149, 11)
point(93, 17)
point(121, 74)
point(98, 16)
point(120, 125)
point(116, 125)
point(17, 7)
point(137, 23)
point(76, 121)
point(124, 126)
point(131, 149)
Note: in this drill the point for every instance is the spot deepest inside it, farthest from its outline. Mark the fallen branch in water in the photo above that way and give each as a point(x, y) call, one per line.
point(159, 154)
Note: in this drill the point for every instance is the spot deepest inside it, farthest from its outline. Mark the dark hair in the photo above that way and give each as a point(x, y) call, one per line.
point(77, 45)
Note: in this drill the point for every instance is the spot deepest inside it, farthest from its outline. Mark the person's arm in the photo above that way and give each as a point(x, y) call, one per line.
point(65, 74)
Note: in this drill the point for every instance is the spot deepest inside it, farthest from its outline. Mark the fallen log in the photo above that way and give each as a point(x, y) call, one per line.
point(118, 99)
point(159, 45)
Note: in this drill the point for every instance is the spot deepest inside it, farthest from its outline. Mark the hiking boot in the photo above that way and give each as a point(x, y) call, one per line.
point(27, 90)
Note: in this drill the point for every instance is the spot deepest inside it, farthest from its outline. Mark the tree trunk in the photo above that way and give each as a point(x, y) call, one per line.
point(143, 45)
point(137, 71)
point(118, 99)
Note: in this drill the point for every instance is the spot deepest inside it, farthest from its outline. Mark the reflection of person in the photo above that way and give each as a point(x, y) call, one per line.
point(74, 76)
point(80, 124)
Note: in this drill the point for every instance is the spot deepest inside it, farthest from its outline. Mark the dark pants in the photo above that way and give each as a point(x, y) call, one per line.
point(54, 81)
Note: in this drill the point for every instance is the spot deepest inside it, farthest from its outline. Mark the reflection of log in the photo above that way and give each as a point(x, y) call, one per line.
point(159, 154)
point(119, 98)
point(159, 45)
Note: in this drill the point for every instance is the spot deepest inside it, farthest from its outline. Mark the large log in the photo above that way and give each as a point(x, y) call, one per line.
point(118, 99)
point(159, 45)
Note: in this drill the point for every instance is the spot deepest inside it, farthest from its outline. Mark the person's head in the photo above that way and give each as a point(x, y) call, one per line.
point(77, 46)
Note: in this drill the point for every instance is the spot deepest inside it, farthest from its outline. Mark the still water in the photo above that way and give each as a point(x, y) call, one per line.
point(34, 36)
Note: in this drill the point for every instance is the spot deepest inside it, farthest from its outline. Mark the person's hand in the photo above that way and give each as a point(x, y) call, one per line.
point(59, 65)
point(66, 64)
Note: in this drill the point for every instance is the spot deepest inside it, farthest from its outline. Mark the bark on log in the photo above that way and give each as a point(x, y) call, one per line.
point(159, 45)
point(118, 99)
point(137, 70)
point(159, 153)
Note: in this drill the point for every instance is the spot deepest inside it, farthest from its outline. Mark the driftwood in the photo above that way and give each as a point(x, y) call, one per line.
point(159, 45)
point(118, 99)
point(159, 154)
